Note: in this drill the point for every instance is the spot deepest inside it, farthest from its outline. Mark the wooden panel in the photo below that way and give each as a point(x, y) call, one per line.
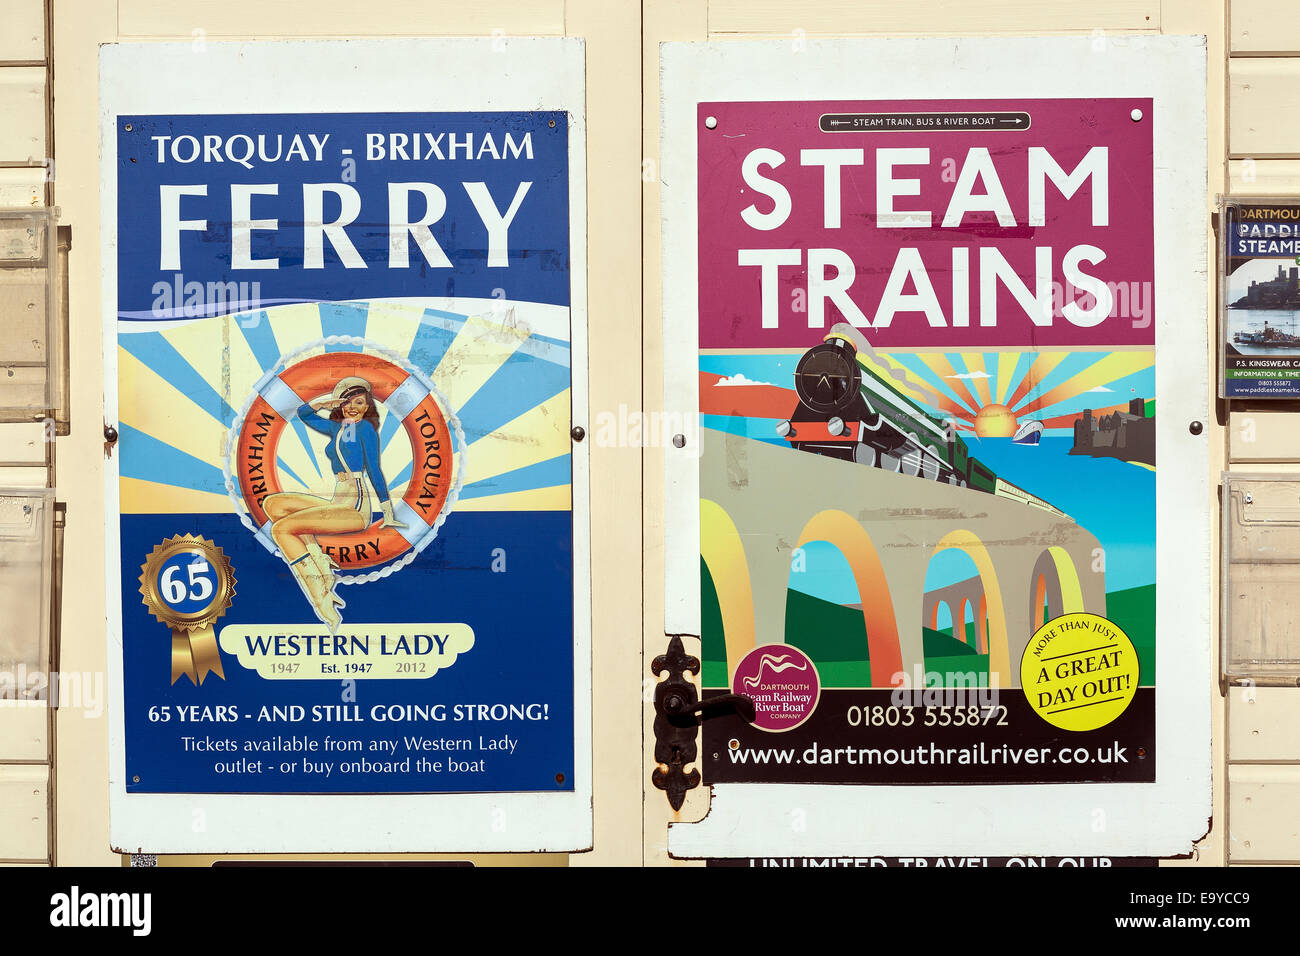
point(1264, 435)
point(255, 18)
point(22, 104)
point(1264, 177)
point(1263, 95)
point(1262, 822)
point(24, 727)
point(83, 743)
point(662, 21)
point(22, 188)
point(21, 441)
point(1262, 723)
point(841, 17)
point(1263, 26)
point(23, 37)
point(25, 812)
point(613, 40)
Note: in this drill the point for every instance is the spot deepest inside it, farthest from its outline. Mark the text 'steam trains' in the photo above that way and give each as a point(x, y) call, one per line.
point(847, 411)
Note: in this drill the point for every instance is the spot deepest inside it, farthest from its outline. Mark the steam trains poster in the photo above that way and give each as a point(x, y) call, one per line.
point(1259, 287)
point(927, 404)
point(344, 353)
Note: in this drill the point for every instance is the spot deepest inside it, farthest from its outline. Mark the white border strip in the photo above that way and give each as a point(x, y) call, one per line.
point(365, 76)
point(1157, 819)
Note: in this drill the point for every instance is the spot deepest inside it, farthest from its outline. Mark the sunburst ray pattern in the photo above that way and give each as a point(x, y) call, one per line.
point(1052, 386)
point(504, 371)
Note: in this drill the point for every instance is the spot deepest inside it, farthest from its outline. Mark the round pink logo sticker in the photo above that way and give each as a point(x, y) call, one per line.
point(783, 683)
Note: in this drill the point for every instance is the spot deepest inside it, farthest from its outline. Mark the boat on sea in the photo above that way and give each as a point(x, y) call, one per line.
point(1268, 337)
point(1028, 433)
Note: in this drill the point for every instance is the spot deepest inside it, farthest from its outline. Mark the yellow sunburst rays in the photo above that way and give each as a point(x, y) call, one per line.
point(979, 377)
point(1114, 366)
point(394, 324)
point(1007, 364)
point(940, 365)
point(908, 385)
point(150, 404)
point(1041, 367)
point(218, 353)
point(554, 498)
point(539, 434)
point(290, 326)
point(930, 396)
point(479, 349)
point(293, 326)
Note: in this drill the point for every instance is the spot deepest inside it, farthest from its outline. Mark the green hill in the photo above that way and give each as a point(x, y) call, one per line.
point(1134, 609)
point(943, 644)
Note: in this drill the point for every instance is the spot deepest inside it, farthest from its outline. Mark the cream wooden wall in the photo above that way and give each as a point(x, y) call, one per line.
point(1263, 149)
point(26, 818)
point(1252, 86)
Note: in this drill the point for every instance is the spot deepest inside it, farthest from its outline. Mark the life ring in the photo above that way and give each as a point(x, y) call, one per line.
point(436, 455)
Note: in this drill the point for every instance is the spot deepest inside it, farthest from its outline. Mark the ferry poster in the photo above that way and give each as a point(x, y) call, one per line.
point(927, 382)
point(343, 352)
point(1259, 287)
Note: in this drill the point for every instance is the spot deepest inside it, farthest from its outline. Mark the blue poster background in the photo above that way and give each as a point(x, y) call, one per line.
point(521, 614)
point(539, 234)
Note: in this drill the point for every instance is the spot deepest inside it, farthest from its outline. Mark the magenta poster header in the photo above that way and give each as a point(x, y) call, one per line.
point(927, 223)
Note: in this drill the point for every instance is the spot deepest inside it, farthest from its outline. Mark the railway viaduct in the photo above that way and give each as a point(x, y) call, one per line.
point(888, 526)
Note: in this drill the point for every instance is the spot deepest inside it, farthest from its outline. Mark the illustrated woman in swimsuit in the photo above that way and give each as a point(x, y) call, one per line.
point(296, 519)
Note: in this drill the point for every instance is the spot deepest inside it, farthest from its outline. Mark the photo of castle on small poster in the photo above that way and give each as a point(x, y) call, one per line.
point(1260, 292)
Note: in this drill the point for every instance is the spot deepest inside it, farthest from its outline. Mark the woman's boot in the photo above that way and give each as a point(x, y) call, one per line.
point(325, 566)
point(319, 591)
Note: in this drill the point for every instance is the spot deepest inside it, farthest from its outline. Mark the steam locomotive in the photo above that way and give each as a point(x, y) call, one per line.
point(848, 411)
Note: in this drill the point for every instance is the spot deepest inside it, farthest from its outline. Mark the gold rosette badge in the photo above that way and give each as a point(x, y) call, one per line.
point(187, 583)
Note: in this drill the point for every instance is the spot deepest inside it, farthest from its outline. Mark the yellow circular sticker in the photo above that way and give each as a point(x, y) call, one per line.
point(1079, 672)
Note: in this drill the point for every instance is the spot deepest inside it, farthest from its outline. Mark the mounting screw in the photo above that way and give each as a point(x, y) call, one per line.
point(127, 127)
point(110, 434)
point(578, 433)
point(711, 122)
point(1195, 428)
point(679, 441)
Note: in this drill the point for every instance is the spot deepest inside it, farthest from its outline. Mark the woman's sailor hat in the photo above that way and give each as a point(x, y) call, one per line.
point(350, 383)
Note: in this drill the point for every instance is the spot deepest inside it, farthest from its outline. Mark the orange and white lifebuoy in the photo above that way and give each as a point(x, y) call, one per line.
point(436, 451)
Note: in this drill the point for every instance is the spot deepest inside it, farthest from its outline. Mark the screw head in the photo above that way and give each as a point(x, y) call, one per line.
point(578, 433)
point(110, 434)
point(679, 441)
point(1195, 428)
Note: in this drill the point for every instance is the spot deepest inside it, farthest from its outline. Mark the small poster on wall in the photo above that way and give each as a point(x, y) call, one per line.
point(1259, 294)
